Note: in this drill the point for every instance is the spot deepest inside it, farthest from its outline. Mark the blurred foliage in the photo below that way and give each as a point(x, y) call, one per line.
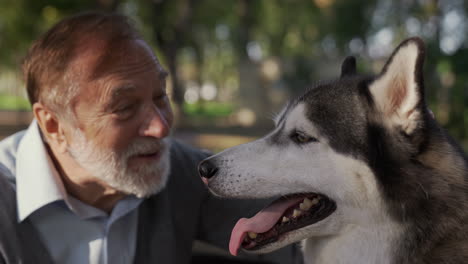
point(208, 109)
point(12, 102)
point(257, 54)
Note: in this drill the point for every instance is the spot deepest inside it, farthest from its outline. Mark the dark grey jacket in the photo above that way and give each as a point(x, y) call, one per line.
point(168, 222)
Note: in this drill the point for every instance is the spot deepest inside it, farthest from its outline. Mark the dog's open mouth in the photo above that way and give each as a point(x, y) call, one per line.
point(282, 216)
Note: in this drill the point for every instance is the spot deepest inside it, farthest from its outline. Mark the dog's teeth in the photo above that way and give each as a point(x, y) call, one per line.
point(315, 201)
point(285, 219)
point(304, 206)
point(252, 235)
point(307, 202)
point(296, 213)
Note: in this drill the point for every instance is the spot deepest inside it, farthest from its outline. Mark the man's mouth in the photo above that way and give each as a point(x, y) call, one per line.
point(149, 156)
point(284, 215)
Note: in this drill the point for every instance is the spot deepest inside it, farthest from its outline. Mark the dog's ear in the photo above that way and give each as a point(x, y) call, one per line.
point(398, 92)
point(349, 66)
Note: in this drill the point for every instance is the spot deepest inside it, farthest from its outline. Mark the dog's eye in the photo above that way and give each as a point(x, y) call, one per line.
point(301, 138)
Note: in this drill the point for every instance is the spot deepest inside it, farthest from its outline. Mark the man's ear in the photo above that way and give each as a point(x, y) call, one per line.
point(51, 128)
point(398, 92)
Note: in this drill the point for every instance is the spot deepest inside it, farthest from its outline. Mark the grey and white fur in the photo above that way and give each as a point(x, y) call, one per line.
point(370, 144)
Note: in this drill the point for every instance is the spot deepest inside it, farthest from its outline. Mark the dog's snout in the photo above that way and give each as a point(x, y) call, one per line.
point(207, 169)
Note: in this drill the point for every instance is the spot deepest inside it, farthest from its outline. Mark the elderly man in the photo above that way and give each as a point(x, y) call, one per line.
point(95, 178)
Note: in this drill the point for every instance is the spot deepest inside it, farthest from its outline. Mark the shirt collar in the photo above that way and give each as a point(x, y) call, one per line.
point(37, 181)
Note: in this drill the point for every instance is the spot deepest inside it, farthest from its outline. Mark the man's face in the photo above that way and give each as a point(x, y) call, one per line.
point(123, 117)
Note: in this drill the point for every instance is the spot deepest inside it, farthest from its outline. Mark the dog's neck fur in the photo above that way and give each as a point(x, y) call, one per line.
point(364, 235)
point(356, 244)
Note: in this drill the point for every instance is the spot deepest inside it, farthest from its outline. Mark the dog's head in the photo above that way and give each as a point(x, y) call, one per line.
point(330, 154)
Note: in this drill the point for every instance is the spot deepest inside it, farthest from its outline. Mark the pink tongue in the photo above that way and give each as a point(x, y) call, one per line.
point(260, 223)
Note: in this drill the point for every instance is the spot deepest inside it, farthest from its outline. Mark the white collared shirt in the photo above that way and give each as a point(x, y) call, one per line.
point(73, 232)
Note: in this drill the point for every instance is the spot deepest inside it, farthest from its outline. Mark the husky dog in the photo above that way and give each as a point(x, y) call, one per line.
point(361, 170)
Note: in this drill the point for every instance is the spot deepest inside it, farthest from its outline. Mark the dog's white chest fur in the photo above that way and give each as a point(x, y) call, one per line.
point(355, 245)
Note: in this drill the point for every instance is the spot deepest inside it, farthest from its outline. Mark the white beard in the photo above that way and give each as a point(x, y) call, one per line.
point(113, 169)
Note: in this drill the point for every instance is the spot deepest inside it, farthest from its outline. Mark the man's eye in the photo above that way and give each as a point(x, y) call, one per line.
point(125, 108)
point(301, 138)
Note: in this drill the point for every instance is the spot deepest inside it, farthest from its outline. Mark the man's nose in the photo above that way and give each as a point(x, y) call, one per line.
point(157, 124)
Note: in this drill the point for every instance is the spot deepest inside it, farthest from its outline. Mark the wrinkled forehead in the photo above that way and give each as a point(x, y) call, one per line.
point(100, 57)
point(130, 54)
point(99, 70)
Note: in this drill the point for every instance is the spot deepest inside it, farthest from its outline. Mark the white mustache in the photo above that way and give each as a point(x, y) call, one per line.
point(145, 146)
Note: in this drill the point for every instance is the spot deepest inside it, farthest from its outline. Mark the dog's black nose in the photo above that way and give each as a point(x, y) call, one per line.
point(207, 169)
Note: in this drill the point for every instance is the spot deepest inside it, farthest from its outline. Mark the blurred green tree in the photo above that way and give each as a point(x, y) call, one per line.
point(253, 55)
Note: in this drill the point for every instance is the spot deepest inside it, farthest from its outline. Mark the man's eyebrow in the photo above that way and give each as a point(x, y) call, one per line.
point(117, 92)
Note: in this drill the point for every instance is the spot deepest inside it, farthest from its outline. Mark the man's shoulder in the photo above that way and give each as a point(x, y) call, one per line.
point(8, 151)
point(8, 147)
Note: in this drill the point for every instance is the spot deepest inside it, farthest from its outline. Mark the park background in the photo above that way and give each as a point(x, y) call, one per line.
point(234, 63)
